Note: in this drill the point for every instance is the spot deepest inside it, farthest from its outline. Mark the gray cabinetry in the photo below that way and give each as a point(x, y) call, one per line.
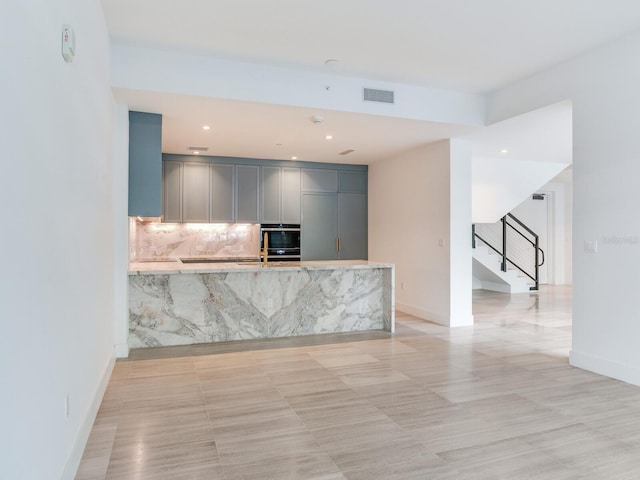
point(352, 226)
point(352, 182)
point(246, 195)
point(172, 192)
point(195, 193)
point(290, 195)
point(334, 225)
point(145, 164)
point(317, 180)
point(271, 194)
point(280, 195)
point(222, 183)
point(320, 226)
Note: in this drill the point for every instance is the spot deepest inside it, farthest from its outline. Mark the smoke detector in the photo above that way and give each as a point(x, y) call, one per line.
point(317, 119)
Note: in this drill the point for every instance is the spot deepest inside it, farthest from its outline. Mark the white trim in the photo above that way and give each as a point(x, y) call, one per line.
point(601, 366)
point(73, 462)
point(122, 350)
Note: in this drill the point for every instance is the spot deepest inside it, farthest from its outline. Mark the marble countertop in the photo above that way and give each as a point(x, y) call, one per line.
point(176, 266)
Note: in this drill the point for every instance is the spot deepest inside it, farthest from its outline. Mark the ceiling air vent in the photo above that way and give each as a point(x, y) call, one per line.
point(346, 152)
point(381, 96)
point(198, 149)
point(538, 196)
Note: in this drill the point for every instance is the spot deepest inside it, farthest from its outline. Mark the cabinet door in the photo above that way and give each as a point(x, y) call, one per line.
point(222, 193)
point(172, 192)
point(247, 177)
point(352, 182)
point(290, 195)
point(319, 226)
point(145, 164)
point(352, 226)
point(195, 192)
point(316, 180)
point(271, 198)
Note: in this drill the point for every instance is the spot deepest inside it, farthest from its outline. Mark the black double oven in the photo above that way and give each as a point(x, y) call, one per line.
point(283, 242)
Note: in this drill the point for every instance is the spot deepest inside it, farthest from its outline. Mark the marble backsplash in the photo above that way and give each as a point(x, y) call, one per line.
point(150, 241)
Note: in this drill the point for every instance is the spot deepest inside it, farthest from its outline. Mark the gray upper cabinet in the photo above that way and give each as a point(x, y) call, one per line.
point(247, 198)
point(145, 164)
point(222, 190)
point(317, 180)
point(280, 195)
point(352, 182)
point(290, 195)
point(172, 192)
point(195, 193)
point(271, 183)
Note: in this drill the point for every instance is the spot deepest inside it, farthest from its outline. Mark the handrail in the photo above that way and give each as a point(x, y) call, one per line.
point(505, 258)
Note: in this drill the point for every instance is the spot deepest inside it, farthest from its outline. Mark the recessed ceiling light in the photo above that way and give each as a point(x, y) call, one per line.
point(294, 158)
point(196, 152)
point(504, 150)
point(206, 127)
point(329, 137)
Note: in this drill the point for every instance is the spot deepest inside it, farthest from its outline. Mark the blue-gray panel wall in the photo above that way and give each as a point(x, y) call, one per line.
point(145, 164)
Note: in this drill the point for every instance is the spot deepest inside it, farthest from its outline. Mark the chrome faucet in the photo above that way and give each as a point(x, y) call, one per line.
point(265, 250)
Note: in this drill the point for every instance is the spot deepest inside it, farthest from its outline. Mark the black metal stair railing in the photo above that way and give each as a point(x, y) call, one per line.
point(514, 246)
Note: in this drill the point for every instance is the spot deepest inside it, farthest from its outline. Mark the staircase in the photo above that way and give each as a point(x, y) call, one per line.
point(506, 256)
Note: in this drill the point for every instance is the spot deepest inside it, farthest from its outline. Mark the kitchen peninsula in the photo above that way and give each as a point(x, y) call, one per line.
point(174, 303)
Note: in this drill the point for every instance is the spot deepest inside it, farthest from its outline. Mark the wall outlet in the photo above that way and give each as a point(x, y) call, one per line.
point(66, 406)
point(441, 242)
point(269, 302)
point(401, 285)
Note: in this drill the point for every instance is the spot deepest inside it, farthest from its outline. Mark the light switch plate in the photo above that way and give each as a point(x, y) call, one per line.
point(591, 246)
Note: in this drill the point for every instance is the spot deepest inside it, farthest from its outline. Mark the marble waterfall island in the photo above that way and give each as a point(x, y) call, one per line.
point(176, 304)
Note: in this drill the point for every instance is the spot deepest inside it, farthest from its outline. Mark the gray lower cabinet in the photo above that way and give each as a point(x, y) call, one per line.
point(222, 191)
point(195, 193)
point(280, 195)
point(319, 236)
point(172, 192)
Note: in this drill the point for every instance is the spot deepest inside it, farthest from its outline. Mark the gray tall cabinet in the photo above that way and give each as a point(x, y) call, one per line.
point(334, 215)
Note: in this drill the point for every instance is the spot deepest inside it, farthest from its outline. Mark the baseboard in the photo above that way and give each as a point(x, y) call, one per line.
point(73, 462)
point(601, 366)
point(444, 320)
point(122, 350)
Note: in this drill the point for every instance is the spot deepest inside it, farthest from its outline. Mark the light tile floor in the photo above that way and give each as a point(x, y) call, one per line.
point(493, 401)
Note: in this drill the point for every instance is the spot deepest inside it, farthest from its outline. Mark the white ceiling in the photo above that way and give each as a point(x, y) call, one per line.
point(459, 45)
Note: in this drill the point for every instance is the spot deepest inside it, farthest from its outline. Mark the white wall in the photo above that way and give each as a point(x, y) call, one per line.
point(121, 228)
point(56, 300)
point(415, 222)
point(499, 185)
point(603, 88)
point(558, 250)
point(162, 71)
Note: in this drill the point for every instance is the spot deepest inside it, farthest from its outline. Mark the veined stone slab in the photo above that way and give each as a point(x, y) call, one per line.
point(200, 307)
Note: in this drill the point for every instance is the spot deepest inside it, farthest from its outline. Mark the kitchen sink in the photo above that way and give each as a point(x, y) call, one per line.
point(240, 260)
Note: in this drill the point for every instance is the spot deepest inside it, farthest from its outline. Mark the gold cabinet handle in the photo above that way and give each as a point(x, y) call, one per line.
point(338, 244)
